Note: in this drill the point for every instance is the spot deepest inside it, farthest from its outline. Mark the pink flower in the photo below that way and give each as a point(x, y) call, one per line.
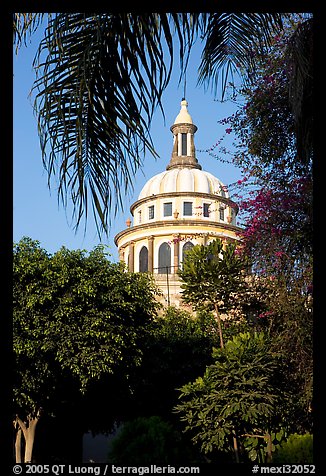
point(228, 131)
point(266, 314)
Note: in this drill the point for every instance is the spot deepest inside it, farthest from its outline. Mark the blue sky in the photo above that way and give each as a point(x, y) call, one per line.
point(37, 213)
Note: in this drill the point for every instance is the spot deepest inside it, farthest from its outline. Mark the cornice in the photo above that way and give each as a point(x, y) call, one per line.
point(173, 224)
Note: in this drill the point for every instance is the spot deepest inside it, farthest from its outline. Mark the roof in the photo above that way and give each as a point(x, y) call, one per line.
point(183, 180)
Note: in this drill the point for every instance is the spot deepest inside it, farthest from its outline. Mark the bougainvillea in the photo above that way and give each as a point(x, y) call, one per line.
point(278, 226)
point(275, 192)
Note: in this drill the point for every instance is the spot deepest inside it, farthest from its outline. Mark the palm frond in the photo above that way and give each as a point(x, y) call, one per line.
point(100, 78)
point(98, 85)
point(230, 39)
point(24, 25)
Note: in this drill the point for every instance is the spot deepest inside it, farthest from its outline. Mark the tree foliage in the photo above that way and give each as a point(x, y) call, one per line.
point(212, 274)
point(273, 129)
point(176, 347)
point(90, 311)
point(297, 449)
point(287, 313)
point(238, 396)
point(76, 319)
point(278, 100)
point(213, 277)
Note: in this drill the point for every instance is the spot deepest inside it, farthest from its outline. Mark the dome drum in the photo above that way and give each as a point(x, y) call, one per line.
point(197, 208)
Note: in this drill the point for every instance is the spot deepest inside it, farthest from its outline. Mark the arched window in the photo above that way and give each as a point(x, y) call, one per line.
point(186, 247)
point(164, 259)
point(143, 260)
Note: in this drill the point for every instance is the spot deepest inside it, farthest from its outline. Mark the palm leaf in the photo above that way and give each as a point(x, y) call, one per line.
point(231, 39)
point(99, 79)
point(24, 25)
point(98, 85)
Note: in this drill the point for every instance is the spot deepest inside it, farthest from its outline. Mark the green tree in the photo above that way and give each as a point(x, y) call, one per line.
point(35, 378)
point(76, 319)
point(288, 315)
point(238, 399)
point(214, 278)
point(100, 76)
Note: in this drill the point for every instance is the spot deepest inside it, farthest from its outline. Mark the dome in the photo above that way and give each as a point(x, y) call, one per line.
point(183, 180)
point(181, 207)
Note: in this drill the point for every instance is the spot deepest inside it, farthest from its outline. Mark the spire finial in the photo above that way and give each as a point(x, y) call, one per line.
point(183, 117)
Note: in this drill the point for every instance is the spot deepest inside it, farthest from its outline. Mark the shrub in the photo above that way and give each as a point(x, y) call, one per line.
point(296, 449)
point(148, 440)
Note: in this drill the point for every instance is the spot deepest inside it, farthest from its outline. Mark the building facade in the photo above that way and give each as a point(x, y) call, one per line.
point(176, 209)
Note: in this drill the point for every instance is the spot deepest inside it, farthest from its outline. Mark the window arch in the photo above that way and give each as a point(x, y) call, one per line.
point(164, 258)
point(186, 247)
point(143, 260)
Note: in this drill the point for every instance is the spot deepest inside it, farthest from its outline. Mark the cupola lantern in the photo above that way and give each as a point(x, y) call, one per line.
point(183, 130)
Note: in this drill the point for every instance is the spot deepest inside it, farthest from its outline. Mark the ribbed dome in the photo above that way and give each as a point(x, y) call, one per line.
point(183, 180)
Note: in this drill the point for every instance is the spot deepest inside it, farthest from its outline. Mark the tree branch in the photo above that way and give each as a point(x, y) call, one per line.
point(21, 424)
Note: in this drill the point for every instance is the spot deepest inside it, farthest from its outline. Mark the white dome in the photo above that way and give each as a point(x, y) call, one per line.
point(183, 180)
